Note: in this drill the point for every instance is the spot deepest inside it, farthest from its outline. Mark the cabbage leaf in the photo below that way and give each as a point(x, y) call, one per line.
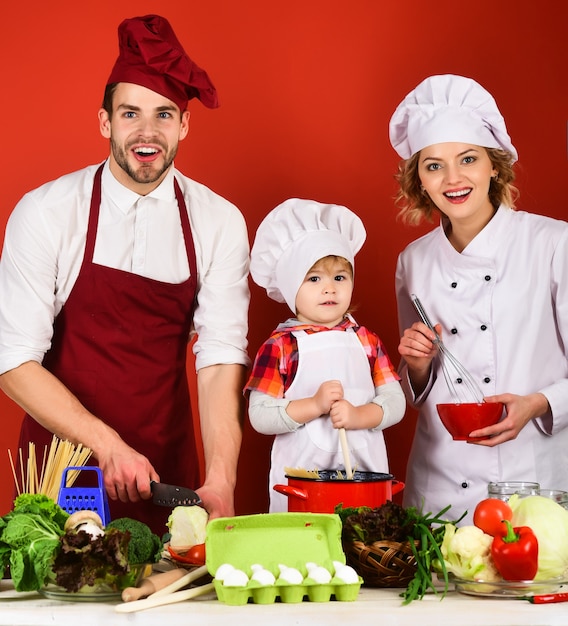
point(549, 522)
point(29, 540)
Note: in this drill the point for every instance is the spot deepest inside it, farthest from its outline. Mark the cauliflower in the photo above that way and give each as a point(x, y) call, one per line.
point(467, 554)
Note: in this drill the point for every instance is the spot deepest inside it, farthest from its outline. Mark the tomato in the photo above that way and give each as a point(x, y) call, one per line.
point(194, 556)
point(489, 515)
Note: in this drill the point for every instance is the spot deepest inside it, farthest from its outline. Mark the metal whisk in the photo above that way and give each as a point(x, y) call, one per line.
point(454, 372)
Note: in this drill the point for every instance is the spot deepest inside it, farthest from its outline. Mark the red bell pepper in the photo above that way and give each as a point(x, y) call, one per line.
point(515, 554)
point(194, 556)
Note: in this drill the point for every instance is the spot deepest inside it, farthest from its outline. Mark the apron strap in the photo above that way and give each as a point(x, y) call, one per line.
point(93, 217)
point(186, 227)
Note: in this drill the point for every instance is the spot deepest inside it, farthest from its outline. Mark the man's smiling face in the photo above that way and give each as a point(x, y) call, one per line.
point(144, 131)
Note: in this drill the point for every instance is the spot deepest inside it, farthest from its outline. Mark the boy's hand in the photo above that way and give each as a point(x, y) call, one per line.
point(343, 415)
point(329, 392)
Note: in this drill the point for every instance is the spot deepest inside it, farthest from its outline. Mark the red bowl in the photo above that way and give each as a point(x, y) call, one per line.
point(461, 419)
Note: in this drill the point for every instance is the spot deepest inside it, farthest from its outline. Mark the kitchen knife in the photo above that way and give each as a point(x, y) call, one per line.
point(172, 495)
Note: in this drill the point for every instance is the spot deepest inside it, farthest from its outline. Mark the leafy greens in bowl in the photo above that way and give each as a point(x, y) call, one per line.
point(44, 552)
point(85, 563)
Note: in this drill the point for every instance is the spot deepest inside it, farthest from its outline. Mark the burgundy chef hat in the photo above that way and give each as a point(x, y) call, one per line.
point(150, 55)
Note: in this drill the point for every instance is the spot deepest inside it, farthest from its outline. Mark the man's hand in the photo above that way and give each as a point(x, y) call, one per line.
point(127, 473)
point(217, 500)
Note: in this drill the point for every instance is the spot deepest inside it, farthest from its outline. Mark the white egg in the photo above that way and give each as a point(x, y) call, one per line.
point(236, 578)
point(290, 575)
point(263, 576)
point(223, 570)
point(318, 573)
point(347, 574)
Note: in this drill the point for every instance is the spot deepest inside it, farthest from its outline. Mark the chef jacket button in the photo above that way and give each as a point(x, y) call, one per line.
point(454, 331)
point(454, 285)
point(483, 327)
point(487, 379)
point(488, 278)
point(465, 484)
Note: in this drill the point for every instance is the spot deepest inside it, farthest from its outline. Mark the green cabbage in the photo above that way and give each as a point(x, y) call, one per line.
point(187, 526)
point(29, 540)
point(549, 522)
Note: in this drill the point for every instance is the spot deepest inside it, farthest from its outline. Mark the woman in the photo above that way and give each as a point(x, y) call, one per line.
point(495, 283)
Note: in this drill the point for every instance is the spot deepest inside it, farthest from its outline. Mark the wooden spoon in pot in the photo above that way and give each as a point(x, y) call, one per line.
point(346, 456)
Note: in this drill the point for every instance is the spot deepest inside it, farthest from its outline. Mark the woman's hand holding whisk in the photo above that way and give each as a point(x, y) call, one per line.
point(519, 412)
point(418, 349)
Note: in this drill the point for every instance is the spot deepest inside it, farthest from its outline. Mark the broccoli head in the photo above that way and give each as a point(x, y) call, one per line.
point(144, 546)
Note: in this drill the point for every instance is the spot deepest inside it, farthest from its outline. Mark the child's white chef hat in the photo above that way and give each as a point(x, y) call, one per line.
point(448, 108)
point(296, 234)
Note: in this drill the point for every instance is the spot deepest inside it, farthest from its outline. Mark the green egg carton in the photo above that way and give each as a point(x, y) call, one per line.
point(272, 539)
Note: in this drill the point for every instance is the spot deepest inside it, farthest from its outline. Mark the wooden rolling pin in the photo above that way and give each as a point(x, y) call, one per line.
point(171, 598)
point(152, 583)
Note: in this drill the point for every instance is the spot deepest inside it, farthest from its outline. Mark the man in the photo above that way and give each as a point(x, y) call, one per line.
point(107, 271)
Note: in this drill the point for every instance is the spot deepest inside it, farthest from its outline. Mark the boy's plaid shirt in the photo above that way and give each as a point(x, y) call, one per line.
point(276, 362)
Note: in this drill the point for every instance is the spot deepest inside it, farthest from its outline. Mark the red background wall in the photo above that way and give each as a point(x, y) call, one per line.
point(307, 88)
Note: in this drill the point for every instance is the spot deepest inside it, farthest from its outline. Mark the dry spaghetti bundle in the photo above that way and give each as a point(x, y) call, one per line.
point(46, 479)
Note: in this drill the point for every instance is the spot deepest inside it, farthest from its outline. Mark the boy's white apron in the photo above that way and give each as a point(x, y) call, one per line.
point(323, 356)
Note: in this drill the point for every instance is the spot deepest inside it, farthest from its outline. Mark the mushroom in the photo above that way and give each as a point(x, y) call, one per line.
point(87, 520)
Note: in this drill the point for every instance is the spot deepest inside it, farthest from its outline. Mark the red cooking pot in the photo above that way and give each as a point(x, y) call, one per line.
point(322, 494)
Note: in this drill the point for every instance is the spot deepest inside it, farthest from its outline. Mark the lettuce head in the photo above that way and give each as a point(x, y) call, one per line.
point(549, 522)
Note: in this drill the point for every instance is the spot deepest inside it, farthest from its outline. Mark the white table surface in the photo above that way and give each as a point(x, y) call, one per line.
point(373, 606)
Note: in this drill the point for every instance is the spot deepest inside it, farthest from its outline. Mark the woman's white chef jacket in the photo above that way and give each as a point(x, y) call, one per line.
point(503, 307)
point(45, 240)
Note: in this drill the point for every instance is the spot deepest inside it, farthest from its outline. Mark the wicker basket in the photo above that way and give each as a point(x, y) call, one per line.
point(382, 563)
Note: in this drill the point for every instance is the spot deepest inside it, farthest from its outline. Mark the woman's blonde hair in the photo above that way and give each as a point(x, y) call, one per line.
point(415, 205)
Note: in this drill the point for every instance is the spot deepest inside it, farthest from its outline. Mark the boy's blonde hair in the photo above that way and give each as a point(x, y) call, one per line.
point(326, 262)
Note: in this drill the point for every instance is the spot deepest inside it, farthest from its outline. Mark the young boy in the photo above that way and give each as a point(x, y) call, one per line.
point(319, 371)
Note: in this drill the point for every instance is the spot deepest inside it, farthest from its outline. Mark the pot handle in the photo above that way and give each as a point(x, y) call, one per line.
point(397, 485)
point(287, 490)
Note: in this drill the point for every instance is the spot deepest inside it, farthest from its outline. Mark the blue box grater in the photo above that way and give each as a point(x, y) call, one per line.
point(73, 499)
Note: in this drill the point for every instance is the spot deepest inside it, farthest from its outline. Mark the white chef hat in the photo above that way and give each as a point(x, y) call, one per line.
point(296, 234)
point(448, 108)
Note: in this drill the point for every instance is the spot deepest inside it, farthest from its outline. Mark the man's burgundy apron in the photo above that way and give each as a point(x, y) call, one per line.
point(120, 345)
